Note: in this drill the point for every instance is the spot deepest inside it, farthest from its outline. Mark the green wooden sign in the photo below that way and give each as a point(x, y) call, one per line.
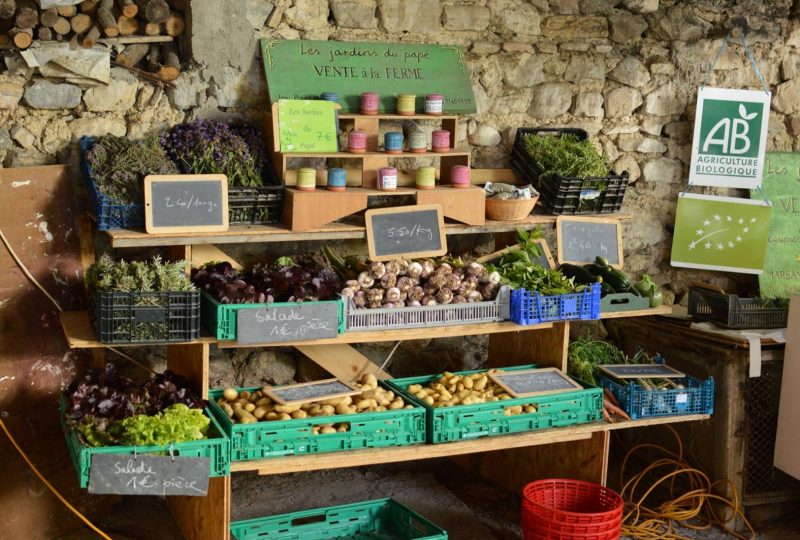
point(306, 125)
point(299, 69)
point(781, 185)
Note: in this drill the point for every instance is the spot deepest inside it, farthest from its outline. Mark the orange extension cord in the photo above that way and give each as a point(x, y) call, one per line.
point(693, 509)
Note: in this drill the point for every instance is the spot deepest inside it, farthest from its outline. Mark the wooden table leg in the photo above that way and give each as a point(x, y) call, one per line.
point(205, 518)
point(191, 361)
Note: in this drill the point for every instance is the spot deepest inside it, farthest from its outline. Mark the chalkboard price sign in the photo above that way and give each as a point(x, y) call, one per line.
point(641, 371)
point(293, 321)
point(534, 382)
point(186, 203)
point(582, 239)
point(312, 391)
point(148, 475)
point(405, 231)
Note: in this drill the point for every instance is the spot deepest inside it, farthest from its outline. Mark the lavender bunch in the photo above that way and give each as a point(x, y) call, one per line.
point(210, 147)
point(120, 165)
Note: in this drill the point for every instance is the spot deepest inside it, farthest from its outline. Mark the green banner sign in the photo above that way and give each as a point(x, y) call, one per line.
point(720, 233)
point(781, 186)
point(299, 69)
point(730, 138)
point(306, 125)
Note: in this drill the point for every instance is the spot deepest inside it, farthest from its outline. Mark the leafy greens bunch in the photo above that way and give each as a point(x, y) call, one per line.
point(566, 155)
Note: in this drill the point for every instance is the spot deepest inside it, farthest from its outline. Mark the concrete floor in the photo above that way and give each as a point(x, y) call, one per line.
point(467, 507)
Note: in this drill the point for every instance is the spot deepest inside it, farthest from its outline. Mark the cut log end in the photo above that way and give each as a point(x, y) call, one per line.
point(132, 54)
point(26, 17)
point(21, 37)
point(62, 26)
point(48, 17)
point(175, 25)
point(44, 33)
point(152, 29)
point(67, 11)
point(7, 9)
point(81, 23)
point(127, 8)
point(127, 25)
point(91, 37)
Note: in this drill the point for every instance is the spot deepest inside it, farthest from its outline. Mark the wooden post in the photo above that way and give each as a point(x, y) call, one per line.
point(128, 8)
point(175, 24)
point(107, 22)
point(21, 37)
point(27, 16)
point(127, 25)
point(91, 37)
point(7, 8)
point(132, 54)
point(62, 26)
point(49, 17)
point(81, 23)
point(171, 66)
point(67, 11)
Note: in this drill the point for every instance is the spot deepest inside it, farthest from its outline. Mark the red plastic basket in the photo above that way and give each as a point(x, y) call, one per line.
point(542, 525)
point(572, 501)
point(529, 534)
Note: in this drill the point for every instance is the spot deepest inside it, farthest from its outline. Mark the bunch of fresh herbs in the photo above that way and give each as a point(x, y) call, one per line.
point(211, 147)
point(109, 275)
point(566, 155)
point(520, 268)
point(586, 353)
point(119, 165)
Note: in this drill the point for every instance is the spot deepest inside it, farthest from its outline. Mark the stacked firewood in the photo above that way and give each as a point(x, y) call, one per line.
point(23, 21)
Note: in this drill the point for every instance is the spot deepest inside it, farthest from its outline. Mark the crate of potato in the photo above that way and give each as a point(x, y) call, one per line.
point(467, 405)
point(259, 428)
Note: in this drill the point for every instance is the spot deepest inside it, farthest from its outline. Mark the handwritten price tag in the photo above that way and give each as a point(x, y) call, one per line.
point(148, 475)
point(406, 231)
point(287, 322)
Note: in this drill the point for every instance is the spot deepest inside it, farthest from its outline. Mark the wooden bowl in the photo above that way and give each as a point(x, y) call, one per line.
point(509, 209)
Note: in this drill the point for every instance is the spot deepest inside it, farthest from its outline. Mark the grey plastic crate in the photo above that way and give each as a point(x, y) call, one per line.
point(730, 311)
point(426, 316)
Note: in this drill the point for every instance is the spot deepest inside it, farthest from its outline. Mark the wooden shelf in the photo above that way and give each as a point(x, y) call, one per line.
point(350, 155)
point(405, 334)
point(356, 458)
point(244, 234)
point(432, 117)
point(80, 334)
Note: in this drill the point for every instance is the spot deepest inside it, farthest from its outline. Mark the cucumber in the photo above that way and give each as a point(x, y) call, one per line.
point(580, 274)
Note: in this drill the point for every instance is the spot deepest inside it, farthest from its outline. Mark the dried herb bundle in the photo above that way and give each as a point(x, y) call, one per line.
point(120, 165)
point(210, 147)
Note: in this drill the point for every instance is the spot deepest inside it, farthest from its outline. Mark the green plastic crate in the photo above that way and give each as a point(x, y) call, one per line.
point(383, 518)
point(217, 448)
point(220, 319)
point(447, 424)
point(276, 438)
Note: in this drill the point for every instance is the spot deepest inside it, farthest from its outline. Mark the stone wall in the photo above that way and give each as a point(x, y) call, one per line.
point(625, 70)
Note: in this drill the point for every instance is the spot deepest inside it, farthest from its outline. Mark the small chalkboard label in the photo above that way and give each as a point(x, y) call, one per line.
point(534, 382)
point(582, 239)
point(641, 371)
point(186, 203)
point(312, 391)
point(287, 322)
point(148, 475)
point(405, 231)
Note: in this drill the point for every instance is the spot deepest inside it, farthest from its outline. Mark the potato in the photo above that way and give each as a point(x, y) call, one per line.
point(230, 394)
point(250, 407)
point(287, 408)
point(529, 409)
point(428, 400)
point(515, 409)
point(342, 428)
point(244, 394)
point(369, 380)
point(341, 408)
point(468, 383)
point(408, 407)
point(284, 416)
point(263, 401)
point(244, 417)
point(396, 404)
point(480, 383)
point(299, 414)
point(260, 412)
point(327, 429)
point(315, 430)
point(327, 410)
point(228, 409)
point(366, 404)
point(272, 415)
point(413, 389)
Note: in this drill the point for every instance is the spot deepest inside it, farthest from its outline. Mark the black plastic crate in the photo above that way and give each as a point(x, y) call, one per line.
point(255, 205)
point(568, 195)
point(730, 311)
point(146, 317)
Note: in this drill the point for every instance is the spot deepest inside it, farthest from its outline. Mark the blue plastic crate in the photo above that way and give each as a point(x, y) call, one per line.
point(696, 397)
point(529, 307)
point(109, 212)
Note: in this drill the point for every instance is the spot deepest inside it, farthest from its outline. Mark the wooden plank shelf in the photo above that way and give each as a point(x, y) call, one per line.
point(356, 458)
point(431, 117)
point(350, 155)
point(80, 334)
point(245, 234)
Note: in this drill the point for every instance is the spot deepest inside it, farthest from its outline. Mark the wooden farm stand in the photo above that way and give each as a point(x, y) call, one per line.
point(304, 210)
point(512, 460)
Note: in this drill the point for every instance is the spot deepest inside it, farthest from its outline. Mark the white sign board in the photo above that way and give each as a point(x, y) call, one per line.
point(730, 138)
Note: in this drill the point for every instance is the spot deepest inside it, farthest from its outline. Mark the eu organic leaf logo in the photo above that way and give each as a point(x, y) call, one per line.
point(743, 113)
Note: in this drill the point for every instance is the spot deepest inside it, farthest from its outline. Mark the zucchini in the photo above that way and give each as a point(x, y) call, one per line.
point(616, 279)
point(580, 274)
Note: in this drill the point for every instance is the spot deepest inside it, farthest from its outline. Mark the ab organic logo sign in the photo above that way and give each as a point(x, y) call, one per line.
point(730, 138)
